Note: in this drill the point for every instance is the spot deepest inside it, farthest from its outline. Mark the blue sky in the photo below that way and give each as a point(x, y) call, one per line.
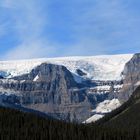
point(55, 28)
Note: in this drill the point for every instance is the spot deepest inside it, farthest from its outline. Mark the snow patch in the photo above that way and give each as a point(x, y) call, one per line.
point(93, 118)
point(107, 106)
point(118, 86)
point(103, 108)
point(138, 83)
point(36, 78)
point(106, 87)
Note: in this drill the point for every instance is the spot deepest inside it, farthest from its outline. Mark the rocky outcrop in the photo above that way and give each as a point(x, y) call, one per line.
point(131, 75)
point(80, 72)
point(50, 89)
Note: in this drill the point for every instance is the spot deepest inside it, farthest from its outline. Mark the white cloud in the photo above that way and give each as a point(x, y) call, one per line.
point(30, 50)
point(29, 23)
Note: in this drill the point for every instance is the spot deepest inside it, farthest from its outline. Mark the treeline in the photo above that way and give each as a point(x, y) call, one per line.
point(16, 125)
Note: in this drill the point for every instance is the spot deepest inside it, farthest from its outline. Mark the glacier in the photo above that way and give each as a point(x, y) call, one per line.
point(102, 67)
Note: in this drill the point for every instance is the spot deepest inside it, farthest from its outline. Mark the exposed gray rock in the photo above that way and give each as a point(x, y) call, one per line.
point(131, 75)
point(51, 89)
point(80, 72)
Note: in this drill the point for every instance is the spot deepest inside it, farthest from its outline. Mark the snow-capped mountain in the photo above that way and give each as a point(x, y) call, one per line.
point(106, 67)
point(69, 88)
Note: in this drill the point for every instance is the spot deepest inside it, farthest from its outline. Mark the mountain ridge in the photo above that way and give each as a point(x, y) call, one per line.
point(42, 84)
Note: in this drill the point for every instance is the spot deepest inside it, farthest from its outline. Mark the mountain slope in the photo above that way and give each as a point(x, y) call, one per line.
point(126, 116)
point(102, 109)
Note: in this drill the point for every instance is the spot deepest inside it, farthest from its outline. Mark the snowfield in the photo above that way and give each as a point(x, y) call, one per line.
point(104, 67)
point(107, 106)
point(103, 108)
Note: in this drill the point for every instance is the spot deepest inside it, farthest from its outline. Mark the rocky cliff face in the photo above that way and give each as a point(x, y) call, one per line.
point(48, 88)
point(131, 75)
point(52, 89)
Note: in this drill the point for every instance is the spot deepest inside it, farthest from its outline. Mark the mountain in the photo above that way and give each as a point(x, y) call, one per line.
point(54, 90)
point(125, 117)
point(70, 89)
point(131, 77)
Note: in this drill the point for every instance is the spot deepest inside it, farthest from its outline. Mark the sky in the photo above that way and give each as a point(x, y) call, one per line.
point(57, 28)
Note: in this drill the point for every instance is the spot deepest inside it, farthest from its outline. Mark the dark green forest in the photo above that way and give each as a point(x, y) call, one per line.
point(121, 124)
point(15, 125)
